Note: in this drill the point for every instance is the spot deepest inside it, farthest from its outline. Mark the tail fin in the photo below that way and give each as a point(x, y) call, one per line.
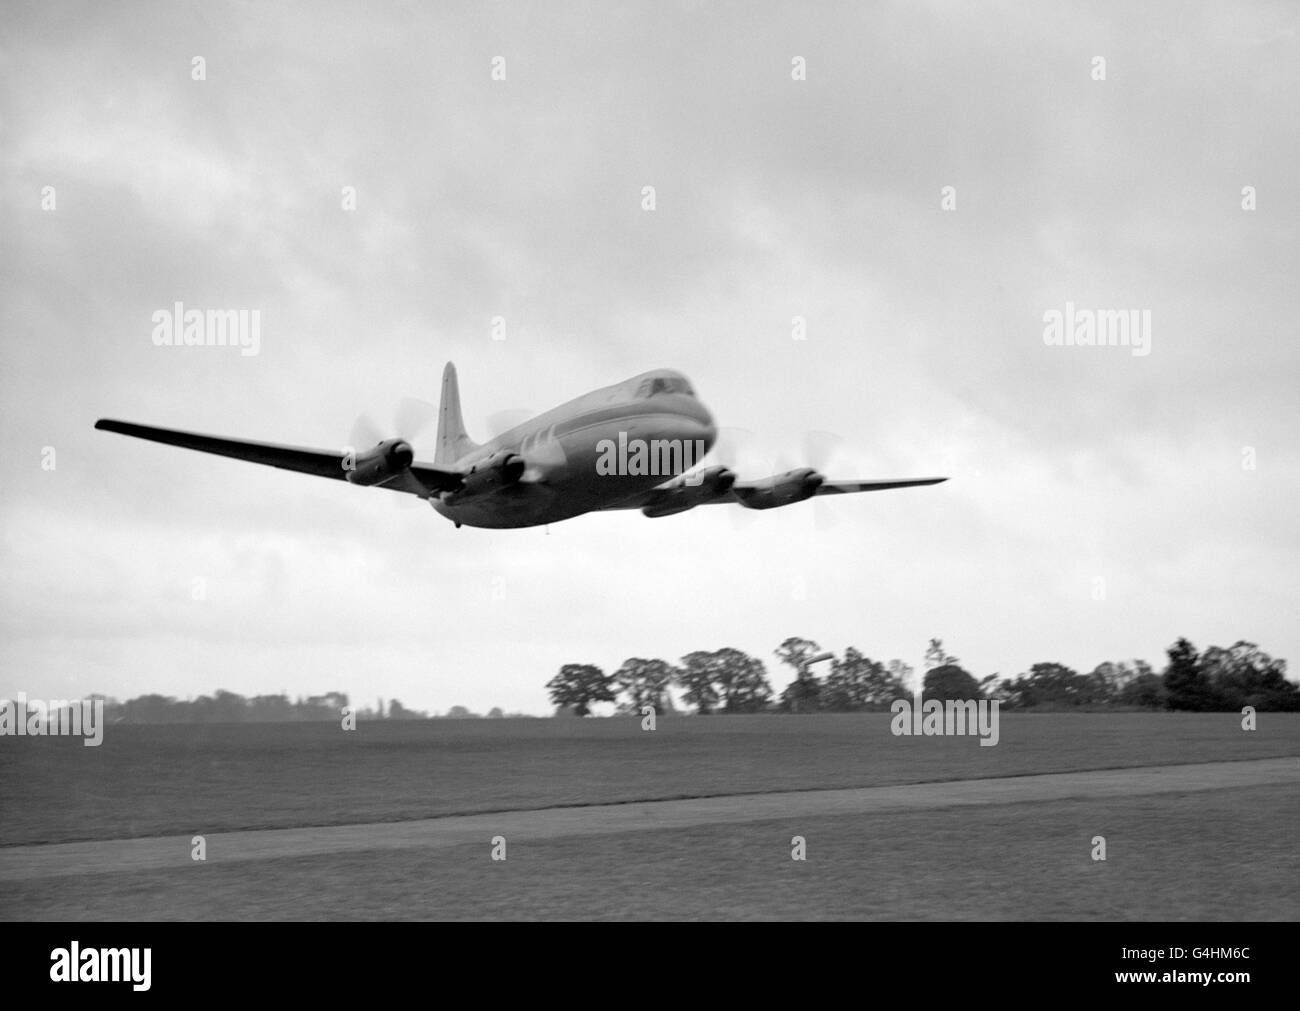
point(453, 443)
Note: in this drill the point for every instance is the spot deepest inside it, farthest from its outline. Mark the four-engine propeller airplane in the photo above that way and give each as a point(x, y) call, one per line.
point(634, 445)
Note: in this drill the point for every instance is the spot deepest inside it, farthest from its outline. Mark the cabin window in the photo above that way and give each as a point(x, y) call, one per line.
point(664, 384)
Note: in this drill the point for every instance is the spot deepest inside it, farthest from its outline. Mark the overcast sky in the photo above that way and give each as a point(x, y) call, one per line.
point(1077, 472)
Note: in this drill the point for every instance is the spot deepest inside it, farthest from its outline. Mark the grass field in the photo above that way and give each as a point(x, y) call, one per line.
point(156, 780)
point(1215, 856)
point(1214, 853)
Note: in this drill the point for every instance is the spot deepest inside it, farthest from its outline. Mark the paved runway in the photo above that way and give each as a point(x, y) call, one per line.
point(26, 863)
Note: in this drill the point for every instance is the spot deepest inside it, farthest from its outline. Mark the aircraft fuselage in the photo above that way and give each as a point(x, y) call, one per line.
point(574, 442)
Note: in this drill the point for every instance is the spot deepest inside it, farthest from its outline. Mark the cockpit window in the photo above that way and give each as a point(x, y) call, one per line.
point(664, 384)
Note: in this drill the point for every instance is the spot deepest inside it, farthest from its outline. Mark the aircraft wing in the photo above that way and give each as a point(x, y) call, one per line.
point(322, 463)
point(666, 495)
point(849, 487)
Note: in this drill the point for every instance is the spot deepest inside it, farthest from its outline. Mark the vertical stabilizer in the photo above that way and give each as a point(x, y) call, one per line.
point(453, 443)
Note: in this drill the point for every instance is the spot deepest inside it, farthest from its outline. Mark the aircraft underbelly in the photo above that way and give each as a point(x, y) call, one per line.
point(534, 504)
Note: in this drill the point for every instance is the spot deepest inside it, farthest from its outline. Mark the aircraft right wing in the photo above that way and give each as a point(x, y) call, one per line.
point(321, 463)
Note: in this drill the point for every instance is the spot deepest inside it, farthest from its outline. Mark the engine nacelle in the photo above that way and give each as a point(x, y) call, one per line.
point(689, 490)
point(781, 490)
point(498, 470)
point(385, 461)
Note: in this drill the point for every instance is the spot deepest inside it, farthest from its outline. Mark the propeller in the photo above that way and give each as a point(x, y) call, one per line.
point(738, 450)
point(820, 449)
point(364, 434)
point(412, 418)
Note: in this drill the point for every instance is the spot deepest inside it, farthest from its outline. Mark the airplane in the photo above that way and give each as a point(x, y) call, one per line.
point(634, 445)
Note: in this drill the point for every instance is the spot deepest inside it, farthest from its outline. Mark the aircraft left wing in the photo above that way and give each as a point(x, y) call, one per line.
point(718, 485)
point(321, 463)
point(848, 487)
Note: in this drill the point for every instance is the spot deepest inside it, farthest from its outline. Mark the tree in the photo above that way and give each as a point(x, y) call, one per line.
point(901, 673)
point(270, 708)
point(742, 680)
point(495, 713)
point(857, 682)
point(1146, 689)
point(645, 683)
point(329, 706)
point(1185, 681)
point(696, 678)
point(1244, 675)
point(1054, 684)
point(726, 676)
point(935, 656)
point(949, 682)
point(1112, 677)
point(803, 694)
point(151, 709)
point(1046, 684)
point(579, 685)
point(228, 707)
point(796, 652)
point(1128, 684)
point(397, 711)
point(993, 688)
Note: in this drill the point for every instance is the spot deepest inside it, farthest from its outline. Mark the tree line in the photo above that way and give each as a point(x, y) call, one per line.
point(730, 681)
point(229, 707)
